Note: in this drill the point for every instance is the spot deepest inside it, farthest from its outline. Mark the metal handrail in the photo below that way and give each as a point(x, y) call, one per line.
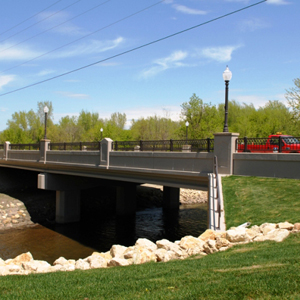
point(218, 192)
point(35, 146)
point(196, 145)
point(164, 145)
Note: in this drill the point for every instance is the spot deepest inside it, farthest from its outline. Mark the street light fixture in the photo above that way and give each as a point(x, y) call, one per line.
point(227, 75)
point(186, 125)
point(46, 110)
point(101, 130)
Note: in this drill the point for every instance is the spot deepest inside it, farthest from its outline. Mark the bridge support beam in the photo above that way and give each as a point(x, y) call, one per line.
point(126, 200)
point(67, 206)
point(171, 198)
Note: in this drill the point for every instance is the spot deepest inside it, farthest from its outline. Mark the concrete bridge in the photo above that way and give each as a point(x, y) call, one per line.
point(67, 172)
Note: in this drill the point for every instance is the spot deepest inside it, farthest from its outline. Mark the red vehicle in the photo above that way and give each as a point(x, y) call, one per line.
point(275, 143)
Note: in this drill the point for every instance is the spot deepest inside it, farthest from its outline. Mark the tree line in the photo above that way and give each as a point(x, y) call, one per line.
point(204, 120)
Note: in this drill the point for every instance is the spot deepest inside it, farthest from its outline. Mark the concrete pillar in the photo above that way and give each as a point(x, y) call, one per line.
point(44, 145)
point(67, 206)
point(171, 198)
point(6, 149)
point(106, 147)
point(224, 147)
point(126, 199)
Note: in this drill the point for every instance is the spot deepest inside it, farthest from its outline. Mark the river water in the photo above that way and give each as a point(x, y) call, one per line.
point(78, 240)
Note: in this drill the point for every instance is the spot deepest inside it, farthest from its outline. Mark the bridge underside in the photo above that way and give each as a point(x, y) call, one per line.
point(68, 180)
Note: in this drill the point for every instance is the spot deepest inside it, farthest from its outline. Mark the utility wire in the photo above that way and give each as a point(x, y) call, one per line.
point(53, 28)
point(29, 18)
point(134, 49)
point(83, 37)
point(40, 21)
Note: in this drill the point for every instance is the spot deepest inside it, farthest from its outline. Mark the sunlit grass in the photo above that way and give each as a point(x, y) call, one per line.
point(259, 200)
point(266, 270)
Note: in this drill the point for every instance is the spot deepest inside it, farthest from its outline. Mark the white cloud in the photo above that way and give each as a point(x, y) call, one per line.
point(189, 11)
point(259, 101)
point(92, 47)
point(58, 22)
point(73, 95)
point(6, 79)
point(45, 72)
point(135, 113)
point(162, 64)
point(10, 52)
point(221, 54)
point(278, 2)
point(245, 1)
point(252, 25)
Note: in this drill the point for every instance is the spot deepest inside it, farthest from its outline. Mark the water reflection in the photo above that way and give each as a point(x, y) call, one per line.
point(152, 223)
point(79, 240)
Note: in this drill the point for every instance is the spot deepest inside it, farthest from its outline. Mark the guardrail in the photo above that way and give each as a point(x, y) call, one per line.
point(23, 146)
point(201, 145)
point(79, 146)
point(206, 145)
point(281, 144)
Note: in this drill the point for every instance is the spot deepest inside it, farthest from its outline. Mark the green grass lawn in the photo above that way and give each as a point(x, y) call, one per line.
point(267, 270)
point(259, 200)
point(260, 270)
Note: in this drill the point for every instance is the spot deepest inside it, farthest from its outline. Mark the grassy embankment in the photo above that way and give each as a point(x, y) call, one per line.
point(267, 270)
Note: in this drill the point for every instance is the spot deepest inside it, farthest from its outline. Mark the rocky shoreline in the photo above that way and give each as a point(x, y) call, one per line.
point(13, 213)
point(146, 251)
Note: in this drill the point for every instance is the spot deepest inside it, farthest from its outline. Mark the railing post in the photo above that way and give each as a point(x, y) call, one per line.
point(80, 146)
point(171, 145)
point(208, 144)
point(141, 145)
point(116, 145)
point(6, 149)
point(224, 147)
point(245, 144)
point(65, 146)
point(106, 148)
point(280, 144)
point(44, 146)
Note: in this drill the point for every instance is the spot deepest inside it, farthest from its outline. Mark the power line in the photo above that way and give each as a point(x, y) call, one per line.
point(53, 27)
point(83, 37)
point(134, 49)
point(40, 21)
point(29, 18)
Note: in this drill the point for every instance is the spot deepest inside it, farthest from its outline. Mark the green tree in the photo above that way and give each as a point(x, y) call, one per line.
point(154, 128)
point(293, 98)
point(204, 119)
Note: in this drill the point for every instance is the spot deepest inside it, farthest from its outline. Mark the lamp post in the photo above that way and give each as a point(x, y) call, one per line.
point(101, 130)
point(186, 126)
point(227, 75)
point(46, 110)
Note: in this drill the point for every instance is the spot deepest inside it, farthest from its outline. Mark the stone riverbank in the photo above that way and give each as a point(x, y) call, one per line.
point(13, 213)
point(146, 251)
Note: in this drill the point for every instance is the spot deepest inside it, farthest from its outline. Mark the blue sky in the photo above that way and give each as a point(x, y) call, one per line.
point(43, 39)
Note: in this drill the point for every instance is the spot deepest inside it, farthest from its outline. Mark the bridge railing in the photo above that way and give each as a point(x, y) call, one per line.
point(201, 145)
point(23, 146)
point(79, 146)
point(206, 145)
